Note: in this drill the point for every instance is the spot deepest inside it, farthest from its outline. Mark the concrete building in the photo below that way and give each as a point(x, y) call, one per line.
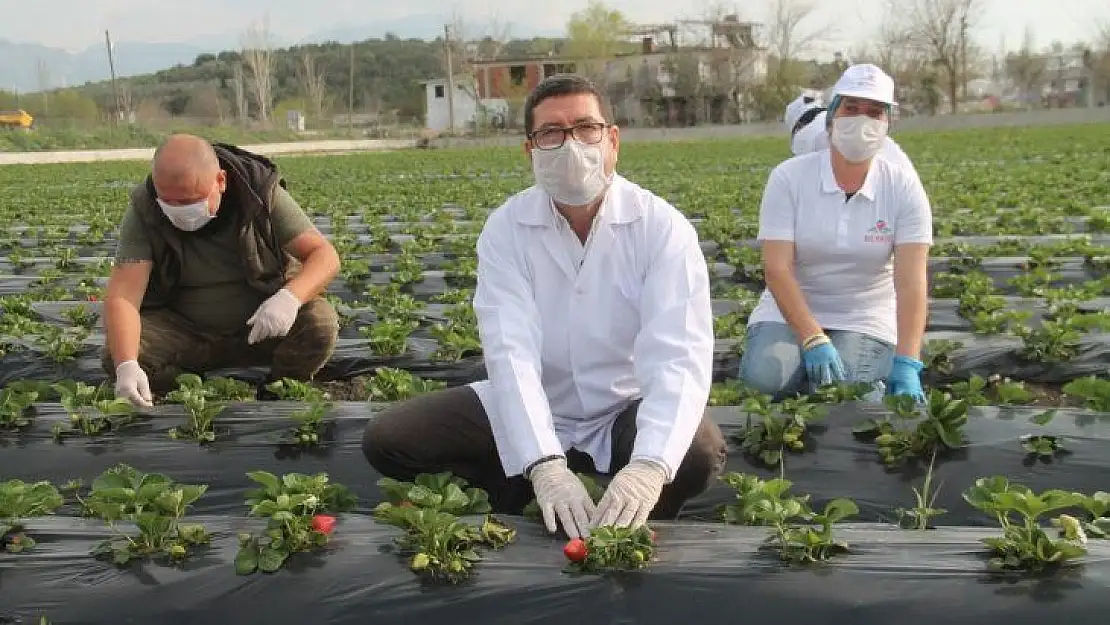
point(470, 108)
point(437, 104)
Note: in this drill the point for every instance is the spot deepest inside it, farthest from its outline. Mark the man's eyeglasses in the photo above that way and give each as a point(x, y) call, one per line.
point(553, 138)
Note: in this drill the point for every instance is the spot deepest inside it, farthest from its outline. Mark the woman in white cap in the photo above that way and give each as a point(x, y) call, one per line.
point(845, 239)
point(807, 119)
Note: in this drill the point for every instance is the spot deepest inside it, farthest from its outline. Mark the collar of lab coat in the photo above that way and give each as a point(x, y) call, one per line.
point(828, 179)
point(619, 206)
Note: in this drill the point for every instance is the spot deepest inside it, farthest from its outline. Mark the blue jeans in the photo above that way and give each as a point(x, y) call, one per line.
point(772, 360)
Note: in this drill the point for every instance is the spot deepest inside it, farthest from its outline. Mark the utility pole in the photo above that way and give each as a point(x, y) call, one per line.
point(450, 77)
point(112, 67)
point(351, 93)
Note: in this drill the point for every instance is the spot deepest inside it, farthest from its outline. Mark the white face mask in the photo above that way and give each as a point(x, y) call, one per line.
point(572, 174)
point(189, 217)
point(858, 138)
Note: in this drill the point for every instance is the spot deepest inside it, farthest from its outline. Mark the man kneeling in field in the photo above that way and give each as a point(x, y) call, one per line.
point(217, 266)
point(594, 313)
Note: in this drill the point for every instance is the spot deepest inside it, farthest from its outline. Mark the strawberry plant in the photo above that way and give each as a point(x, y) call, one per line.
point(995, 389)
point(288, 389)
point(439, 491)
point(911, 435)
point(439, 544)
point(1097, 509)
point(919, 516)
point(1043, 446)
point(610, 548)
point(81, 316)
point(151, 503)
point(298, 510)
point(937, 355)
point(91, 410)
point(1095, 392)
point(797, 533)
point(754, 496)
point(841, 392)
point(779, 427)
point(20, 501)
point(1024, 544)
point(214, 388)
point(389, 384)
point(200, 417)
point(15, 405)
point(389, 337)
point(309, 421)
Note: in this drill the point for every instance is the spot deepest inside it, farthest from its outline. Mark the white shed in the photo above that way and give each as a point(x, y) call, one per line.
point(437, 111)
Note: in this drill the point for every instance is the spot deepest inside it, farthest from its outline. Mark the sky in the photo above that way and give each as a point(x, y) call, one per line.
point(77, 24)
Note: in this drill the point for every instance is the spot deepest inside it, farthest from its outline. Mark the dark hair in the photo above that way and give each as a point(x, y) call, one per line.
point(806, 118)
point(560, 85)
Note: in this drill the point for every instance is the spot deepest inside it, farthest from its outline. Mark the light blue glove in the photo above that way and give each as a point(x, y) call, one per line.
point(823, 364)
point(905, 378)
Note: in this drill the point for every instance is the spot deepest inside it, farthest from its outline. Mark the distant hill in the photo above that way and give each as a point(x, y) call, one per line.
point(21, 61)
point(387, 78)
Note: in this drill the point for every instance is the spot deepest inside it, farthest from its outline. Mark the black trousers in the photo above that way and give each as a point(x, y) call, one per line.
point(449, 431)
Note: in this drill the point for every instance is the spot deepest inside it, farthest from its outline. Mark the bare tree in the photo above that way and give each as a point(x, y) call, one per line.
point(206, 104)
point(126, 100)
point(238, 84)
point(43, 74)
point(1026, 68)
point(312, 83)
point(465, 46)
point(944, 28)
point(786, 37)
point(259, 56)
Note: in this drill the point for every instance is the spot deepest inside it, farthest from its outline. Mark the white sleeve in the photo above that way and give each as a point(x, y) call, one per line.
point(895, 154)
point(508, 326)
point(776, 210)
point(673, 353)
point(914, 223)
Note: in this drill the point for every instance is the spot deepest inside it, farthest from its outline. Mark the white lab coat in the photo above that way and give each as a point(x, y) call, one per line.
point(814, 137)
point(567, 348)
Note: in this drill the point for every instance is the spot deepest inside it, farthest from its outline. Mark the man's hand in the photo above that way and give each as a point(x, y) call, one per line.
point(274, 317)
point(631, 495)
point(132, 384)
point(561, 495)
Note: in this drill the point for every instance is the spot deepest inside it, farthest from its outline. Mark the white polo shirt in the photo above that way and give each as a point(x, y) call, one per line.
point(843, 249)
point(814, 137)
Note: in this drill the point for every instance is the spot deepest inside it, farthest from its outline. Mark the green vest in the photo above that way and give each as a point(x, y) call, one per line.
point(253, 179)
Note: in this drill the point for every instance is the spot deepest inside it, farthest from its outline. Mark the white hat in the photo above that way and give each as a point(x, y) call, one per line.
point(798, 107)
point(865, 81)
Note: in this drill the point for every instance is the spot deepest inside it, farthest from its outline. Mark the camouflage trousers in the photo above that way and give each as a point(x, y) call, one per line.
point(170, 345)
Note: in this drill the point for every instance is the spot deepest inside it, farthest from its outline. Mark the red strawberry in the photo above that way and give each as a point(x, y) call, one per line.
point(575, 550)
point(323, 523)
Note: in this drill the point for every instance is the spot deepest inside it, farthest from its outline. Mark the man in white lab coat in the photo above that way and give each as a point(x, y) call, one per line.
point(593, 309)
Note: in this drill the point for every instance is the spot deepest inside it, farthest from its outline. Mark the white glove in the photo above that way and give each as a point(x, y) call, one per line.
point(132, 384)
point(560, 494)
point(274, 317)
point(631, 495)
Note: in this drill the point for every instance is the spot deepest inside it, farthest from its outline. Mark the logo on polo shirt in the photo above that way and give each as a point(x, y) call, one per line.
point(881, 232)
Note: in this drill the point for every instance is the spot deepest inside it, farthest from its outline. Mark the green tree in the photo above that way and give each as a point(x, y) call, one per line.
point(595, 35)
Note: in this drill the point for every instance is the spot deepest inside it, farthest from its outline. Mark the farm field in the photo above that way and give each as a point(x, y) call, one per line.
point(1012, 446)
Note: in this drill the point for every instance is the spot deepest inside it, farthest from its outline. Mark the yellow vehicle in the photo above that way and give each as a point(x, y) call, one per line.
point(16, 119)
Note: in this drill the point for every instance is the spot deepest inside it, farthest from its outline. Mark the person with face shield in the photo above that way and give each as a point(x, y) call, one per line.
point(217, 266)
point(807, 119)
point(845, 237)
point(594, 314)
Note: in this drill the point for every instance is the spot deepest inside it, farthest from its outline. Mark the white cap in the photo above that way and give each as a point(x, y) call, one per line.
point(798, 107)
point(865, 81)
